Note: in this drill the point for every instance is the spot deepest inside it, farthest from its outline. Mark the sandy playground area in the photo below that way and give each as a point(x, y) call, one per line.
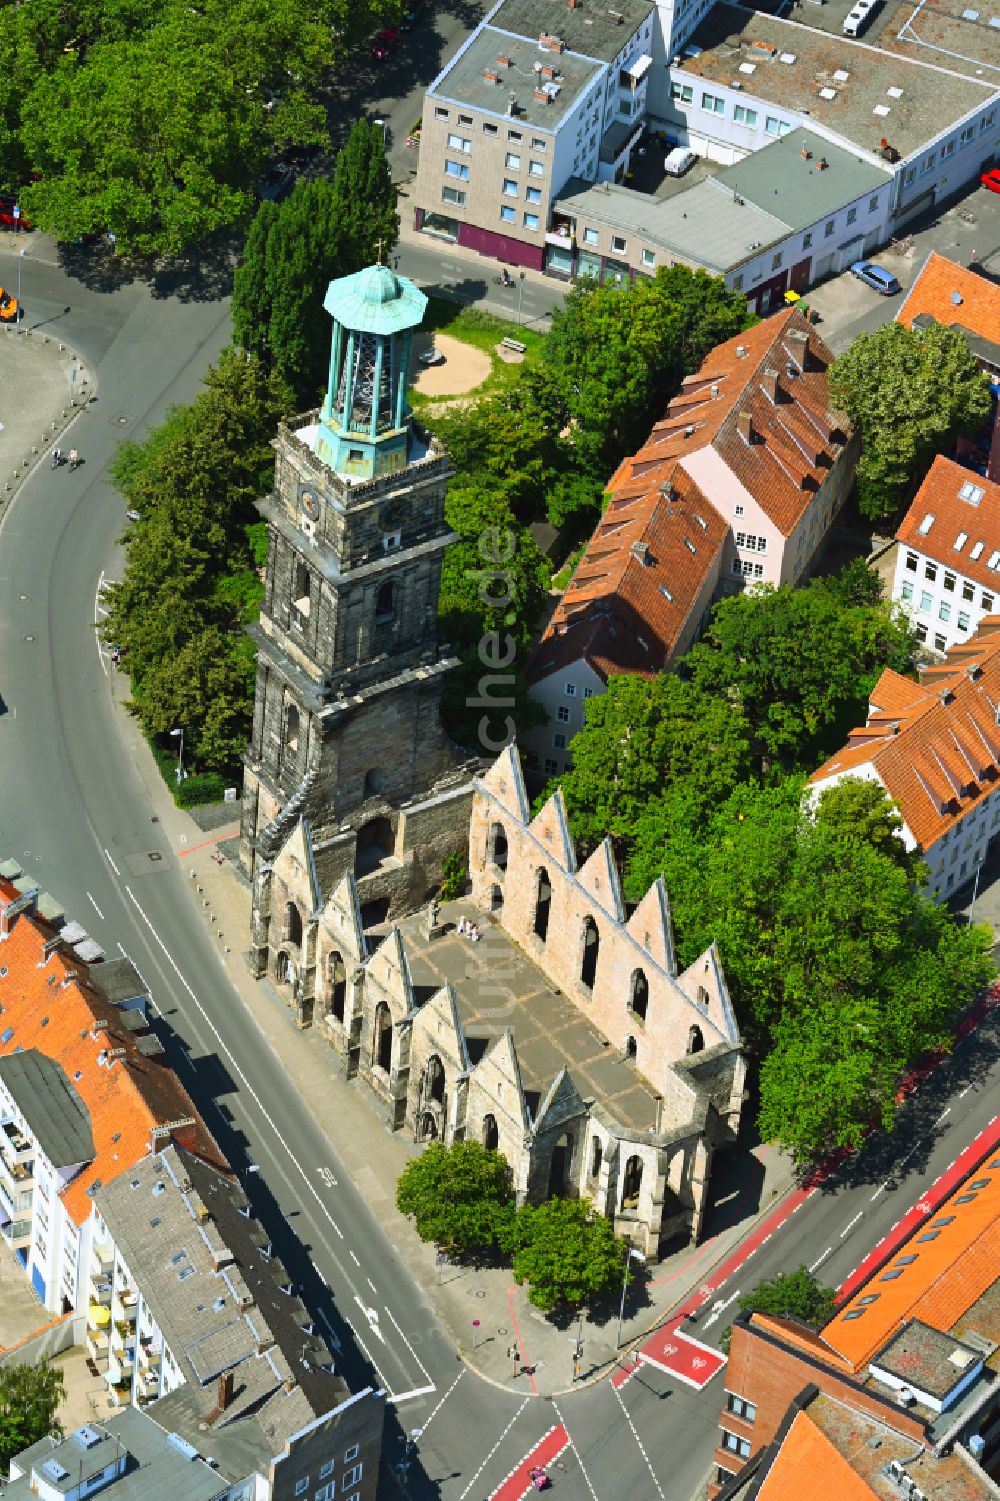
point(464, 367)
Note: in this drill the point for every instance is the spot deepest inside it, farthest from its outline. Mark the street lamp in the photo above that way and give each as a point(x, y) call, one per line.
point(520, 290)
point(621, 1312)
point(180, 753)
point(20, 309)
point(409, 1441)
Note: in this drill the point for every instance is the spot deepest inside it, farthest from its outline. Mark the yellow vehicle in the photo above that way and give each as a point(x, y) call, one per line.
point(8, 307)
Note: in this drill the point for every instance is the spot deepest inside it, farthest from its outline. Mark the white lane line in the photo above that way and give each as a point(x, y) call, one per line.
point(826, 1253)
point(496, 1446)
point(371, 1284)
point(639, 1442)
point(965, 1091)
point(114, 867)
point(353, 1257)
point(576, 1452)
point(945, 1111)
point(428, 1421)
point(881, 1189)
point(365, 1351)
point(406, 1342)
point(417, 1391)
point(848, 1228)
point(95, 907)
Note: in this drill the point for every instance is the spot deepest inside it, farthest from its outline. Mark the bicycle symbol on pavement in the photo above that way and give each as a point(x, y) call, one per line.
point(326, 1177)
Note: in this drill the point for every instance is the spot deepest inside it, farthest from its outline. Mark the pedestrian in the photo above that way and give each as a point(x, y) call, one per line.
point(460, 927)
point(74, 458)
point(56, 457)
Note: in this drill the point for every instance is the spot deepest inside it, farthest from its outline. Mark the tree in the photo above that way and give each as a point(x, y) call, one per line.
point(30, 1396)
point(796, 660)
point(459, 1197)
point(795, 1295)
point(567, 1252)
point(190, 581)
point(911, 392)
point(642, 737)
point(294, 249)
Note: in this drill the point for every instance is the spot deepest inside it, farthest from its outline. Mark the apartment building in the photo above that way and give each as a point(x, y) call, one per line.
point(947, 574)
point(85, 1090)
point(934, 747)
point(536, 95)
point(738, 484)
point(910, 1358)
point(207, 1328)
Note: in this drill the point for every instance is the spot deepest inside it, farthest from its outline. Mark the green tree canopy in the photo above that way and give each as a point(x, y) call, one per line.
point(911, 392)
point(294, 249)
point(459, 1197)
point(567, 1253)
point(30, 1396)
point(190, 581)
point(796, 1294)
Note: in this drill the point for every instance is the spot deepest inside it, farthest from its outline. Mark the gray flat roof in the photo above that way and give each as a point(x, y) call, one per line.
point(778, 179)
point(806, 61)
point(591, 28)
point(464, 83)
point(703, 224)
point(58, 1118)
point(155, 1469)
point(118, 980)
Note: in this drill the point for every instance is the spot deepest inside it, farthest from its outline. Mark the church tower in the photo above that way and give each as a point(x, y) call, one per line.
point(346, 733)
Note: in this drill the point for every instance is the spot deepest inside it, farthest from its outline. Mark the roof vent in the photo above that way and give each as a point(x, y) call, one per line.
point(689, 430)
point(667, 491)
point(512, 103)
point(822, 164)
point(641, 551)
point(490, 75)
point(714, 388)
point(905, 1397)
point(741, 351)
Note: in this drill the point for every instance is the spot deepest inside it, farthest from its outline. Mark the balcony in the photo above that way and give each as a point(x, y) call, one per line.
point(98, 1347)
point(100, 1291)
point(147, 1385)
point(103, 1258)
point(17, 1233)
point(14, 1145)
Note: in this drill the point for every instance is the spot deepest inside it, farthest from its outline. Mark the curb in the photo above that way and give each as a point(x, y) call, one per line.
point(70, 414)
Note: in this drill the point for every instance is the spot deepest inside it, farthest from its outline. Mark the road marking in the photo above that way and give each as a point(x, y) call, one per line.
point(848, 1228)
point(638, 1440)
point(575, 1451)
point(353, 1257)
point(326, 1176)
point(965, 1091)
point(95, 907)
point(945, 1111)
point(406, 1342)
point(496, 1446)
point(826, 1253)
point(371, 1314)
point(881, 1189)
point(428, 1421)
point(335, 1342)
point(371, 1284)
point(418, 1391)
point(114, 867)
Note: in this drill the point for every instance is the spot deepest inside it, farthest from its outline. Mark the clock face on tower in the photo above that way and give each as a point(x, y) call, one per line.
point(309, 501)
point(392, 516)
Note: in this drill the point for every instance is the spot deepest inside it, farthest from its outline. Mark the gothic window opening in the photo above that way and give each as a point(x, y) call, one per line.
point(427, 1130)
point(374, 782)
point(597, 1157)
point(591, 949)
point(375, 845)
point(696, 1040)
point(301, 593)
point(337, 982)
point(559, 1167)
point(496, 846)
point(632, 1183)
point(292, 729)
point(496, 898)
point(382, 1039)
point(702, 998)
point(385, 603)
point(543, 903)
point(292, 931)
point(434, 1080)
point(491, 1136)
point(639, 998)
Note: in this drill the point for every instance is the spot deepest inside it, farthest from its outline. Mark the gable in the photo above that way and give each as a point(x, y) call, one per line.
point(505, 782)
point(295, 868)
point(551, 829)
point(599, 878)
point(563, 1102)
point(389, 969)
point(341, 919)
point(651, 927)
point(438, 1020)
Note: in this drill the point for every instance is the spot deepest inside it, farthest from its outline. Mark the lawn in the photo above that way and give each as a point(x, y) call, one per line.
point(484, 332)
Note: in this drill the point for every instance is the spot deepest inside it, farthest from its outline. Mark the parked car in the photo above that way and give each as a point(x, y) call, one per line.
point(9, 310)
point(679, 161)
point(8, 218)
point(277, 182)
point(991, 179)
point(857, 18)
point(385, 44)
point(876, 277)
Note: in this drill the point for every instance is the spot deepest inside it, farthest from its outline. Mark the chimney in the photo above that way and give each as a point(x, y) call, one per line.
point(503, 60)
point(668, 492)
point(744, 426)
point(741, 351)
point(640, 550)
point(974, 672)
point(805, 154)
point(884, 144)
point(225, 1390)
point(798, 347)
point(512, 104)
point(822, 164)
point(769, 383)
point(540, 96)
point(490, 75)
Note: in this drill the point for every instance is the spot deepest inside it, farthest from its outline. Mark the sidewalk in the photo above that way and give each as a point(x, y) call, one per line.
point(481, 1310)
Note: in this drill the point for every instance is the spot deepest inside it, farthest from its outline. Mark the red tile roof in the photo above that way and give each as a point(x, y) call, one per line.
point(964, 530)
point(48, 1002)
point(939, 1280)
point(645, 570)
point(938, 754)
point(934, 295)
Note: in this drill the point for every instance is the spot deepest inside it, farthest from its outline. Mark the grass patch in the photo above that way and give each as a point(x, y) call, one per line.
point(483, 331)
point(562, 578)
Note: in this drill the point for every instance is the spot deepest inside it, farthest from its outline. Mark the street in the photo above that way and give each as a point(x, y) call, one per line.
point(78, 815)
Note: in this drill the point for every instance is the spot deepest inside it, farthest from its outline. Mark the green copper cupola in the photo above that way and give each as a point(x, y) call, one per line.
point(364, 426)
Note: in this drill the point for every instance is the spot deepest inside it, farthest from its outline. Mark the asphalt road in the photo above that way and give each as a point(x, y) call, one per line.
point(75, 813)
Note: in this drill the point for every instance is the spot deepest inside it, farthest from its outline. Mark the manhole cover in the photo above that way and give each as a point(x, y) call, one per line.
point(480, 1293)
point(155, 855)
point(27, 638)
point(22, 596)
point(121, 420)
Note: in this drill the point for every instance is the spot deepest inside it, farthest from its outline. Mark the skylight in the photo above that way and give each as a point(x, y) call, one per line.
point(961, 540)
point(972, 493)
point(926, 524)
point(993, 559)
point(894, 93)
point(977, 551)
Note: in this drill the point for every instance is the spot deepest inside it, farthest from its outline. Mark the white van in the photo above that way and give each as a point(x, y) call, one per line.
point(679, 161)
point(858, 18)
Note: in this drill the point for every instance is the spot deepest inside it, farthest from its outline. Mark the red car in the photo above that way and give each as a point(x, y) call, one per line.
point(385, 44)
point(991, 179)
point(7, 216)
